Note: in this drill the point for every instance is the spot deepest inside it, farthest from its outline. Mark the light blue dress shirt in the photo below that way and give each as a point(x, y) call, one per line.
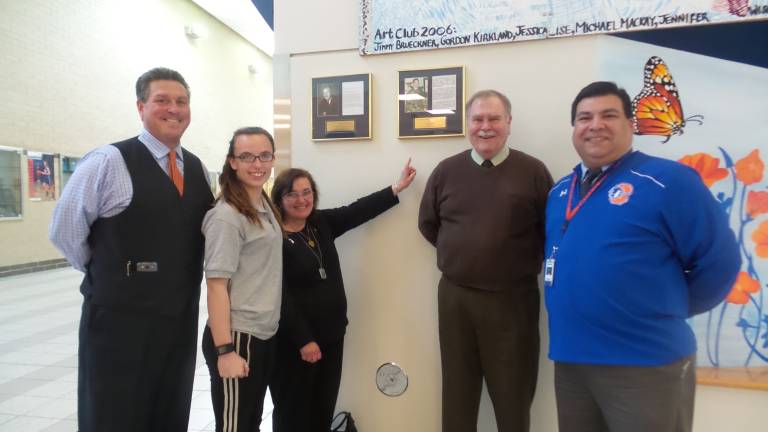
point(99, 187)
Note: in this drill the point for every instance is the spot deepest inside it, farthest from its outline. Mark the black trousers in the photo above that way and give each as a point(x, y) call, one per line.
point(602, 398)
point(304, 394)
point(492, 335)
point(135, 371)
point(239, 402)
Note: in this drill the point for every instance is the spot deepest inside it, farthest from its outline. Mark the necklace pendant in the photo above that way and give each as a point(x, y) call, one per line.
point(323, 274)
point(311, 243)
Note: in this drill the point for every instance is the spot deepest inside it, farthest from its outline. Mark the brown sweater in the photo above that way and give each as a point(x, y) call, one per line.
point(487, 223)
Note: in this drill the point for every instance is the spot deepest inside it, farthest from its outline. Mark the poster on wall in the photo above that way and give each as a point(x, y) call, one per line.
point(707, 112)
point(41, 177)
point(341, 107)
point(431, 102)
point(68, 165)
point(400, 25)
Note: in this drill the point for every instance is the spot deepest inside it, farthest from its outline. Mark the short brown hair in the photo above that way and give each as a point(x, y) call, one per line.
point(284, 184)
point(232, 189)
point(157, 74)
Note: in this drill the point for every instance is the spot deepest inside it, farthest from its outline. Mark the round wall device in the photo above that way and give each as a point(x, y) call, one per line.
point(391, 380)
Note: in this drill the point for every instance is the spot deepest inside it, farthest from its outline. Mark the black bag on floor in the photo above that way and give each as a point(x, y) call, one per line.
point(343, 421)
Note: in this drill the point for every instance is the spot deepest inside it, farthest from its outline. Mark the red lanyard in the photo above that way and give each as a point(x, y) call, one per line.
point(569, 214)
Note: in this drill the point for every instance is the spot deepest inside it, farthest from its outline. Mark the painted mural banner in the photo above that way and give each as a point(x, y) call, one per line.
point(405, 25)
point(715, 126)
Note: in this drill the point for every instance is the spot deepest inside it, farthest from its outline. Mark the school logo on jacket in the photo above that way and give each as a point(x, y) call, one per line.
point(619, 194)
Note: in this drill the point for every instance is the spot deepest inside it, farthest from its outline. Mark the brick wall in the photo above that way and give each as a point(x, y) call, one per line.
point(67, 86)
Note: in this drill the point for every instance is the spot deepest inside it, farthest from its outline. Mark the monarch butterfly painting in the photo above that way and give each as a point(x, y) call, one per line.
point(657, 110)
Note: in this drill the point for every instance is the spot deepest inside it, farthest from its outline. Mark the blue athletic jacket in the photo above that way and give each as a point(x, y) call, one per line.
point(648, 249)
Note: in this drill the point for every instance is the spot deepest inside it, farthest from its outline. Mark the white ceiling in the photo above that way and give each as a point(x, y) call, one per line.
point(242, 17)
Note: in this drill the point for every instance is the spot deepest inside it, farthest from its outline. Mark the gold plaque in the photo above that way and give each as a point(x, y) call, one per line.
point(340, 126)
point(430, 122)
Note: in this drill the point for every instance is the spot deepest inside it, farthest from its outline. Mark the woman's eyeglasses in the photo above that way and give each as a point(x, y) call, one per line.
point(251, 158)
point(293, 196)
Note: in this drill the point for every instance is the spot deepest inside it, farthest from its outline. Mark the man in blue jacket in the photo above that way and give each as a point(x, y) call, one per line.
point(635, 245)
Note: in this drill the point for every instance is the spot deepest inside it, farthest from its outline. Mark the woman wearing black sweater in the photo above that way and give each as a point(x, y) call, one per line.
point(314, 317)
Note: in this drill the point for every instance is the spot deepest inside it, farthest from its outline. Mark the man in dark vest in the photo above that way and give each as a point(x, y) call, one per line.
point(483, 209)
point(130, 219)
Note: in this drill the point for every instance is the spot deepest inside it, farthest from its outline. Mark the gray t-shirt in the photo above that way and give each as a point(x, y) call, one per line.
point(251, 257)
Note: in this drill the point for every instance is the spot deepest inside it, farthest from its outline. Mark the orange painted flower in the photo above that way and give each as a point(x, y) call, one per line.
point(707, 166)
point(757, 203)
point(741, 290)
point(760, 237)
point(750, 169)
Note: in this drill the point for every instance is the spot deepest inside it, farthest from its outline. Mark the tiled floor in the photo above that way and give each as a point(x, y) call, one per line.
point(39, 314)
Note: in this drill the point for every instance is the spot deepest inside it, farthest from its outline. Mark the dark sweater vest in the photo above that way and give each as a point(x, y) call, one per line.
point(158, 226)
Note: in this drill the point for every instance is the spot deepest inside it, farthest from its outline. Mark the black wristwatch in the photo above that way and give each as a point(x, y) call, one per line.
point(225, 349)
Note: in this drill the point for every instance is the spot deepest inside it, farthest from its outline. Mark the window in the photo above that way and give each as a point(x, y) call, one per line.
point(68, 165)
point(10, 183)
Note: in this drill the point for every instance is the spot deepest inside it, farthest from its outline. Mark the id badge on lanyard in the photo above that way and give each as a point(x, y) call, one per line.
point(549, 268)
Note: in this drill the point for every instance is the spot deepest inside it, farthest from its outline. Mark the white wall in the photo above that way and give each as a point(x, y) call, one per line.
point(68, 73)
point(389, 270)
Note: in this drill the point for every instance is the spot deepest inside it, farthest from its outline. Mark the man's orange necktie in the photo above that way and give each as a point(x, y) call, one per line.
point(173, 172)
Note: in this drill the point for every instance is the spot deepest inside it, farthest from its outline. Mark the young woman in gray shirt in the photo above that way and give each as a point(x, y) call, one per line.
point(243, 269)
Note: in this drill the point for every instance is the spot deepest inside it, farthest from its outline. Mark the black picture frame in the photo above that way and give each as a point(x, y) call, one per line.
point(437, 109)
point(341, 107)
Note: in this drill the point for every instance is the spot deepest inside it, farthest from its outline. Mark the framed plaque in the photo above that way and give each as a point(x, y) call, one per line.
point(341, 107)
point(431, 102)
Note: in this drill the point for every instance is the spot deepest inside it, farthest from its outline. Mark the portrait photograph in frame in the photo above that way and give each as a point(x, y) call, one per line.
point(430, 102)
point(341, 107)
